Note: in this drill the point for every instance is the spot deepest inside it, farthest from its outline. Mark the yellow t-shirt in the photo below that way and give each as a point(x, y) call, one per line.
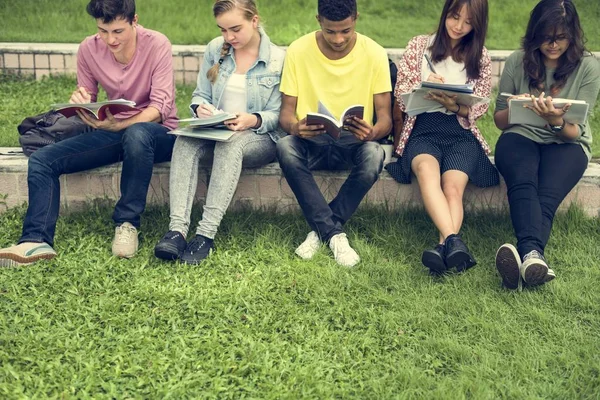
point(338, 84)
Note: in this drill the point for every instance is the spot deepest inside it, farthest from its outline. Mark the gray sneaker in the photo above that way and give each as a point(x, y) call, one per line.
point(534, 268)
point(125, 244)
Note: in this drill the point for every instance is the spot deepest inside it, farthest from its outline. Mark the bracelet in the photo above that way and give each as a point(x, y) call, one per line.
point(258, 121)
point(458, 110)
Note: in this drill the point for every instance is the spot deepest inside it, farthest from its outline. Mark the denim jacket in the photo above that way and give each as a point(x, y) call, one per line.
point(262, 81)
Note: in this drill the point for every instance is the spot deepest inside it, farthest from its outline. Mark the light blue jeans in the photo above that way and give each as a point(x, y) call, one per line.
point(245, 149)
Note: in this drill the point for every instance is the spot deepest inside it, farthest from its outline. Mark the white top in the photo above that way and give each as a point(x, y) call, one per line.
point(452, 71)
point(234, 94)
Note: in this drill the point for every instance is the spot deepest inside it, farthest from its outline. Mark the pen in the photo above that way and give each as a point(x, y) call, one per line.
point(430, 64)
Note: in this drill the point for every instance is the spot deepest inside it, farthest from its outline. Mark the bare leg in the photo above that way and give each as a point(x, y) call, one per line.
point(427, 170)
point(454, 183)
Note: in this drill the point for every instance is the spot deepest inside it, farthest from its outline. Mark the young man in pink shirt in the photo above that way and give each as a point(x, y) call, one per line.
point(129, 62)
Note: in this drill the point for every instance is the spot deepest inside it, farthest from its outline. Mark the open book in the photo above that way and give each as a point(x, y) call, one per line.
point(216, 119)
point(519, 114)
point(332, 126)
point(200, 132)
point(416, 103)
point(98, 109)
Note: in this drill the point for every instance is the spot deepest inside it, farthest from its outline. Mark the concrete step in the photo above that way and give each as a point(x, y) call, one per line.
point(262, 188)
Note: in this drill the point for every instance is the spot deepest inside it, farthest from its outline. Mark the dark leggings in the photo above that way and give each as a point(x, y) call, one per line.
point(538, 177)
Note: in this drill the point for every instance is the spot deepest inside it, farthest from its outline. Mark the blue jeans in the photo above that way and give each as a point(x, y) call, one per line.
point(297, 157)
point(139, 147)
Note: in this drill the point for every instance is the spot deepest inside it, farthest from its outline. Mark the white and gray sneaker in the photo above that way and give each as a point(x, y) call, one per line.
point(309, 247)
point(342, 252)
point(534, 269)
point(25, 253)
point(125, 244)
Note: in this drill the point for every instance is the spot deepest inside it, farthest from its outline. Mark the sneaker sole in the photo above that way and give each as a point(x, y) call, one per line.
point(460, 260)
point(507, 264)
point(167, 252)
point(434, 262)
point(535, 274)
point(13, 260)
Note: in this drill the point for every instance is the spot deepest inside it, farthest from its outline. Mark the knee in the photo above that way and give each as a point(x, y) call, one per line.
point(423, 168)
point(287, 149)
point(453, 191)
point(137, 138)
point(40, 162)
point(372, 156)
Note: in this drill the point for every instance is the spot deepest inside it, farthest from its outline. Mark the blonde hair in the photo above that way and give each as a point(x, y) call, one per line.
point(248, 8)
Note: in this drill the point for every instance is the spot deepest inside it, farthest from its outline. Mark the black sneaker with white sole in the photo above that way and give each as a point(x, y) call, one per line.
point(171, 246)
point(197, 250)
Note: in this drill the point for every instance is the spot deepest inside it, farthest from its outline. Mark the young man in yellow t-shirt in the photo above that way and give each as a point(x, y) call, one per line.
point(338, 67)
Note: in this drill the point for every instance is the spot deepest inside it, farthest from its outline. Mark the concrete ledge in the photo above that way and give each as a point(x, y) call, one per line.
point(262, 188)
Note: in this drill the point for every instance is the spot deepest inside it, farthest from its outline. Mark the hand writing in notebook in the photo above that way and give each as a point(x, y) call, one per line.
point(434, 76)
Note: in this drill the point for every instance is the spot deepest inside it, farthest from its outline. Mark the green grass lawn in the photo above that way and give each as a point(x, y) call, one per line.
point(254, 321)
point(17, 103)
point(389, 22)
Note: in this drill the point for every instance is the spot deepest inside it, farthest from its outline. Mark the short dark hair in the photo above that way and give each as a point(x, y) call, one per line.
point(109, 10)
point(337, 10)
point(547, 18)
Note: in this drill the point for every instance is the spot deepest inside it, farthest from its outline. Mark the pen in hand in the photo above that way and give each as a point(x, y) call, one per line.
point(433, 77)
point(431, 68)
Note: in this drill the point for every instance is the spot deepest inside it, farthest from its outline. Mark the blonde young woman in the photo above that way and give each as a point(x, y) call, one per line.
point(240, 74)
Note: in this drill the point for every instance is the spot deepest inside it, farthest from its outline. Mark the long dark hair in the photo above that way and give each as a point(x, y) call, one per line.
point(547, 18)
point(470, 48)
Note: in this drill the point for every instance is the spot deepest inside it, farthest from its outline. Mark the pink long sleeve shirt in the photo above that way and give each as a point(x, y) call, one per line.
point(147, 79)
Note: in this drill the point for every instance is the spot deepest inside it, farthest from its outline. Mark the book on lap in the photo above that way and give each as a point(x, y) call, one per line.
point(216, 119)
point(200, 132)
point(518, 114)
point(98, 109)
point(416, 103)
point(460, 88)
point(332, 126)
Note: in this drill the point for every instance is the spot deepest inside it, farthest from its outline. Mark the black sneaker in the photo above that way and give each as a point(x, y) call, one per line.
point(170, 246)
point(197, 250)
point(457, 254)
point(434, 260)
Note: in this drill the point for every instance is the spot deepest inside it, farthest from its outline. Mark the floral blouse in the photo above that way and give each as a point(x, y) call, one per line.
point(409, 77)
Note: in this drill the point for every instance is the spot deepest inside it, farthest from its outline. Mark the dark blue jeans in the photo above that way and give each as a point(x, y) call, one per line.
point(297, 157)
point(538, 177)
point(139, 147)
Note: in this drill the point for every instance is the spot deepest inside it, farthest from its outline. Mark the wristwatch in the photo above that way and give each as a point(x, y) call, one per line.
point(558, 128)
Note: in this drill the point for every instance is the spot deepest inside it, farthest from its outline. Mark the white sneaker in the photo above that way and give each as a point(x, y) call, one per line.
point(25, 253)
point(342, 252)
point(125, 244)
point(309, 247)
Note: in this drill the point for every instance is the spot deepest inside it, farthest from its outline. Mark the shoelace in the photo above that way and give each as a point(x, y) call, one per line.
point(533, 254)
point(196, 244)
point(125, 233)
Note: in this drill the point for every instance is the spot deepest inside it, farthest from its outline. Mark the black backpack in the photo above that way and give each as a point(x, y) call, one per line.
point(48, 128)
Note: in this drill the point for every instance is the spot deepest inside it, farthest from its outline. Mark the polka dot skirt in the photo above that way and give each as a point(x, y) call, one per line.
point(455, 148)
